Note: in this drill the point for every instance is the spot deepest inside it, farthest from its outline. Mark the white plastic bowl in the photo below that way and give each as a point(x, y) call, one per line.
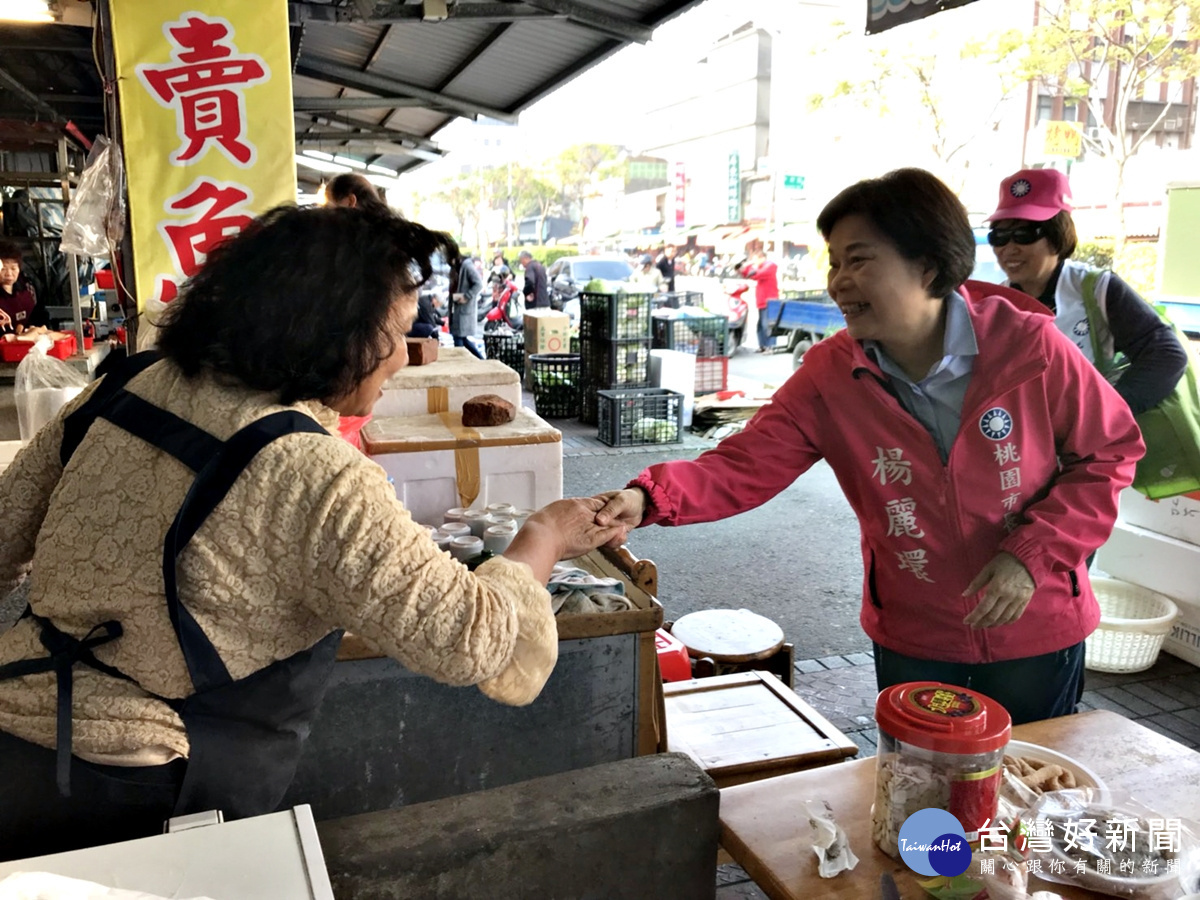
point(1134, 622)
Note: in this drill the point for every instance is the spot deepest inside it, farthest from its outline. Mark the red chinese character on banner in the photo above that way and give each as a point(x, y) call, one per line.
point(190, 240)
point(204, 88)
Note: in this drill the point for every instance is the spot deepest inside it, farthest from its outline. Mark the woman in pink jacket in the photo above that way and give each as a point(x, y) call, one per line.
point(980, 450)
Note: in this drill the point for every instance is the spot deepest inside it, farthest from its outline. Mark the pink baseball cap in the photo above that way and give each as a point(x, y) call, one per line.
point(1033, 194)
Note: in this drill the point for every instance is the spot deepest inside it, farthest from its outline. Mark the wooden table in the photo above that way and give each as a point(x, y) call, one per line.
point(764, 827)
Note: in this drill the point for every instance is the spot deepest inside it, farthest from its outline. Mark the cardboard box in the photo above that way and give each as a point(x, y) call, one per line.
point(546, 331)
point(445, 384)
point(438, 464)
point(1177, 517)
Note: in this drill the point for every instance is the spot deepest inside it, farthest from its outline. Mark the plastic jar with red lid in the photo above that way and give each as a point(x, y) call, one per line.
point(940, 747)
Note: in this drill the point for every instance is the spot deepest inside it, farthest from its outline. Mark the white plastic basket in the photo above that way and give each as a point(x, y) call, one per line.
point(1134, 621)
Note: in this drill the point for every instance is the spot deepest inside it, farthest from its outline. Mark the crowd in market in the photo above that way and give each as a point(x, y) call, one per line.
point(981, 435)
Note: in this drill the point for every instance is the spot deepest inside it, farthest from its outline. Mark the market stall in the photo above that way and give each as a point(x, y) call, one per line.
point(385, 737)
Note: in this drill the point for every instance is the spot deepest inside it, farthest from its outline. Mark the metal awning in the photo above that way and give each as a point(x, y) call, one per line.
point(373, 80)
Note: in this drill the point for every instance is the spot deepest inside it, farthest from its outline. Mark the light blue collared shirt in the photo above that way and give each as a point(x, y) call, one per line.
point(936, 400)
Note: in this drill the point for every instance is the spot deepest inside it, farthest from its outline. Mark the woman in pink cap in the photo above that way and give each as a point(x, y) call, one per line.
point(1033, 237)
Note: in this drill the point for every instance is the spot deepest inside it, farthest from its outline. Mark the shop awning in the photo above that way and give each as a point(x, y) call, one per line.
point(885, 14)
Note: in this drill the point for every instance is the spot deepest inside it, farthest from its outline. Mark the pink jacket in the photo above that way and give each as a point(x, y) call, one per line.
point(766, 282)
point(1044, 447)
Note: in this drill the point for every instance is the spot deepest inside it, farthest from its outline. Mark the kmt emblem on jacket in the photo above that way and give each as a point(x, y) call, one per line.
point(996, 423)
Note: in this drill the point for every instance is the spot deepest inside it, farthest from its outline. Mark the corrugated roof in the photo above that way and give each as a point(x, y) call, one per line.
point(487, 57)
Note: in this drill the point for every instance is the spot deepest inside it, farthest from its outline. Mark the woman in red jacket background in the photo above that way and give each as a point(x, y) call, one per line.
point(766, 287)
point(981, 452)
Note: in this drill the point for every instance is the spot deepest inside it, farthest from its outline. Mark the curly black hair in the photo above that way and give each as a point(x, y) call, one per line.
point(299, 303)
point(921, 217)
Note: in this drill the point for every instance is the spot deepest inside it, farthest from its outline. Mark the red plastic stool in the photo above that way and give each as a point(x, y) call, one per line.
point(673, 661)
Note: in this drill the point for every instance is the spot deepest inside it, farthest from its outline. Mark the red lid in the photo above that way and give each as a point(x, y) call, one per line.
point(943, 718)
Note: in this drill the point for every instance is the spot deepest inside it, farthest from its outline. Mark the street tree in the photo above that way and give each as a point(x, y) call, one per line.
point(1107, 55)
point(578, 168)
point(902, 74)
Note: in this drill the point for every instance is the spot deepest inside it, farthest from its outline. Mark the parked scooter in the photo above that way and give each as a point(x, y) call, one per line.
point(506, 307)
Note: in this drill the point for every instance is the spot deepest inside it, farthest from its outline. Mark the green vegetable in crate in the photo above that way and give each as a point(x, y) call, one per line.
point(553, 379)
point(655, 431)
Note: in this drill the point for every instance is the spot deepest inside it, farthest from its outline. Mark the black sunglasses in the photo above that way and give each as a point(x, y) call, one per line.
point(1022, 234)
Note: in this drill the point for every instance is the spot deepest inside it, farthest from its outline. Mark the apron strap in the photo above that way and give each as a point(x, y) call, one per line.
point(192, 446)
point(77, 424)
point(65, 651)
point(207, 669)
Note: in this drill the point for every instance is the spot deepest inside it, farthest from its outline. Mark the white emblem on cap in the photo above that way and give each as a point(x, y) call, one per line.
point(1020, 188)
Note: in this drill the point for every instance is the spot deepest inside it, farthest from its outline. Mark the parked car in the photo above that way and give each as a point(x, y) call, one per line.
point(570, 274)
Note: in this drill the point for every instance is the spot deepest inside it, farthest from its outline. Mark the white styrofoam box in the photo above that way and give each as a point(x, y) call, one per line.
point(1163, 564)
point(437, 464)
point(444, 385)
point(275, 855)
point(1177, 517)
point(675, 371)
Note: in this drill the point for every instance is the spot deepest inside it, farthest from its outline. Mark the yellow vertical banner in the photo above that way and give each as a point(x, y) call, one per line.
point(206, 112)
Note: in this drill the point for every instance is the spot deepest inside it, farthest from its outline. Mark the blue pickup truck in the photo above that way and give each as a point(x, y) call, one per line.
point(803, 318)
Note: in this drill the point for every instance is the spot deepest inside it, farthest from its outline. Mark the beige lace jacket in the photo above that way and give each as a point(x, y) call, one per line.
point(310, 538)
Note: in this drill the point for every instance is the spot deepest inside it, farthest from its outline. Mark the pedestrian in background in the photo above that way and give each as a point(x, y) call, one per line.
point(766, 288)
point(464, 305)
point(666, 265)
point(951, 419)
point(537, 286)
point(647, 276)
point(353, 190)
point(1034, 238)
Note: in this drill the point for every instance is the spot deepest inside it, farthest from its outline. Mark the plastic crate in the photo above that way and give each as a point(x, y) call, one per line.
point(612, 364)
point(614, 316)
point(638, 417)
point(712, 374)
point(508, 347)
point(573, 346)
point(700, 335)
point(589, 405)
point(15, 351)
point(556, 383)
point(676, 299)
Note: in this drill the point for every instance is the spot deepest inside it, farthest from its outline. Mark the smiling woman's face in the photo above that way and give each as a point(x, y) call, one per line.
point(882, 295)
point(362, 400)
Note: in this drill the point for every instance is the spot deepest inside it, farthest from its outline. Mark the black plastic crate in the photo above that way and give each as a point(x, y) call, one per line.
point(573, 346)
point(612, 364)
point(614, 316)
point(699, 335)
point(555, 381)
point(676, 299)
point(638, 417)
point(508, 347)
point(589, 404)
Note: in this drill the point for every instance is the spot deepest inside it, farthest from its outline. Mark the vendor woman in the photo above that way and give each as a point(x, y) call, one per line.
point(192, 538)
point(953, 422)
point(18, 304)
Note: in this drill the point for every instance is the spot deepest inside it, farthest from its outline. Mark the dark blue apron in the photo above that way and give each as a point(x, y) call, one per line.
point(245, 735)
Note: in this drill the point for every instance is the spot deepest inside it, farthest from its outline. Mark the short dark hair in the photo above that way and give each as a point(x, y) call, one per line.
point(921, 217)
point(299, 303)
point(1060, 232)
point(351, 183)
point(9, 250)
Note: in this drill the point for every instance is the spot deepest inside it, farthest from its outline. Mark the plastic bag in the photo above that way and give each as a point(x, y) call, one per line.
point(95, 221)
point(1113, 845)
point(42, 386)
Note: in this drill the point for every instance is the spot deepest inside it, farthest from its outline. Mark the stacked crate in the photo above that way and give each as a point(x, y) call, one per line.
point(704, 335)
point(614, 346)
